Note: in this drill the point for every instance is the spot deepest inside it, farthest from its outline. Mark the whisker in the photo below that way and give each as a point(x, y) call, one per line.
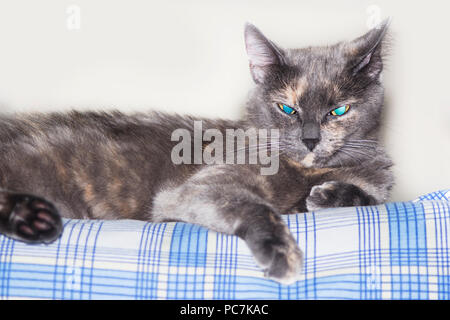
point(357, 151)
point(359, 146)
point(350, 155)
point(250, 147)
point(363, 140)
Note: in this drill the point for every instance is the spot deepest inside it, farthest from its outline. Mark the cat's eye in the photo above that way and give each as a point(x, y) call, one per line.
point(340, 110)
point(286, 109)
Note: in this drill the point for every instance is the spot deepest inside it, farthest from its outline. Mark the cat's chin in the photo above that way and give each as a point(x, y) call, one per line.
point(309, 160)
point(314, 160)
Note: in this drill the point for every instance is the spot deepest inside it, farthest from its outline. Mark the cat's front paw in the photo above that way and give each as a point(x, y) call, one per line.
point(276, 251)
point(332, 194)
point(29, 218)
point(285, 260)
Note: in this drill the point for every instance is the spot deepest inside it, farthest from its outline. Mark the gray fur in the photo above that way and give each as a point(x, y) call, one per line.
point(111, 165)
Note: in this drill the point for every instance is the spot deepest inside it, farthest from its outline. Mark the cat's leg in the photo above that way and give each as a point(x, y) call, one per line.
point(232, 199)
point(28, 218)
point(332, 194)
point(351, 187)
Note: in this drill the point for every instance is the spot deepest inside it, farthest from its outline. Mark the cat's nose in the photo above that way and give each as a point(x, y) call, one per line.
point(311, 134)
point(310, 143)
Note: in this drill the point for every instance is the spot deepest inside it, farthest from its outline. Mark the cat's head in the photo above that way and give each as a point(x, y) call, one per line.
point(326, 101)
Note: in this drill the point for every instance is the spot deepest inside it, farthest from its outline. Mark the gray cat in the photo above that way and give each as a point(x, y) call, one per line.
point(326, 103)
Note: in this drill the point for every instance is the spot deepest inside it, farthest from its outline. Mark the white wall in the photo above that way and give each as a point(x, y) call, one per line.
point(189, 57)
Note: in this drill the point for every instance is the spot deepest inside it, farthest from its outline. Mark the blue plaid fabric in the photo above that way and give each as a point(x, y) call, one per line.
point(391, 251)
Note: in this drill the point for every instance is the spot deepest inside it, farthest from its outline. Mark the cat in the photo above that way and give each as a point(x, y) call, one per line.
point(325, 102)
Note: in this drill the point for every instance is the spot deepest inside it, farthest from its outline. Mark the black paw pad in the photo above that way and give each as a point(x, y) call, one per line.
point(33, 219)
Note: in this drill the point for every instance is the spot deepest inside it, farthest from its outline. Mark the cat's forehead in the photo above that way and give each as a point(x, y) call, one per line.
point(318, 63)
point(315, 69)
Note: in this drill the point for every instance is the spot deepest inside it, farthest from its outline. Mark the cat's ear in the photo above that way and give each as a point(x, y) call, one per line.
point(366, 52)
point(264, 56)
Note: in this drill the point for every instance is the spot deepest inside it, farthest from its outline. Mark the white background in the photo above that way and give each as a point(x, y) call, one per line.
point(189, 57)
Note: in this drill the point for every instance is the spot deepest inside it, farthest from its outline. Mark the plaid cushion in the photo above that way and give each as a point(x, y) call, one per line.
point(391, 251)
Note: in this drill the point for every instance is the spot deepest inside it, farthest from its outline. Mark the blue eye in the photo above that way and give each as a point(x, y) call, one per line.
point(340, 111)
point(286, 109)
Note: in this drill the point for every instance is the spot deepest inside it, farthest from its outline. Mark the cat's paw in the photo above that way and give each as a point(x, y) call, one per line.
point(286, 261)
point(31, 219)
point(279, 256)
point(332, 194)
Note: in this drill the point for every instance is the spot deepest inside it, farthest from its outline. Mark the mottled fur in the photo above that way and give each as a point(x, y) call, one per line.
point(99, 165)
